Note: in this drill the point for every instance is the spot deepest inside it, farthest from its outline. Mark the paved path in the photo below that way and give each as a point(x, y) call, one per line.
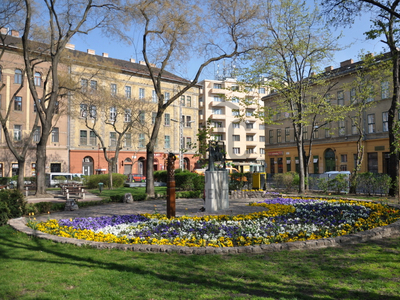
point(189, 207)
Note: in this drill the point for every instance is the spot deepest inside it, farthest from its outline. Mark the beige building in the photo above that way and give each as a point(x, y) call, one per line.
point(22, 114)
point(234, 124)
point(334, 145)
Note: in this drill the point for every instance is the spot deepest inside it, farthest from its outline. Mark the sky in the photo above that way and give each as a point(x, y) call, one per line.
point(352, 40)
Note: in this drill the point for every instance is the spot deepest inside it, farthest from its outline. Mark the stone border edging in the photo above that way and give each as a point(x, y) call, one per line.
point(19, 224)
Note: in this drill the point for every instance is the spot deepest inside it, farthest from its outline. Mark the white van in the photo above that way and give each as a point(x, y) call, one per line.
point(51, 180)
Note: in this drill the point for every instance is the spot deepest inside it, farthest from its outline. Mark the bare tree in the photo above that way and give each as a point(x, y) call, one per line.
point(65, 19)
point(173, 31)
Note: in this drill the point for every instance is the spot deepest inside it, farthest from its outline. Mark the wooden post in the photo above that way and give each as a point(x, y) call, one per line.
point(171, 185)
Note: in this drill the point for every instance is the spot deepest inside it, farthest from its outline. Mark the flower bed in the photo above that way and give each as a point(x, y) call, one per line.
point(284, 220)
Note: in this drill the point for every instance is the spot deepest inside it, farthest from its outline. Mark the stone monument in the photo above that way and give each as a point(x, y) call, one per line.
point(217, 180)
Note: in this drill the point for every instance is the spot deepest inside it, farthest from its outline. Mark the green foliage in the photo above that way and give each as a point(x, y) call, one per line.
point(370, 183)
point(185, 180)
point(4, 213)
point(339, 183)
point(14, 201)
point(189, 194)
point(4, 180)
point(287, 181)
point(60, 178)
point(92, 181)
point(160, 176)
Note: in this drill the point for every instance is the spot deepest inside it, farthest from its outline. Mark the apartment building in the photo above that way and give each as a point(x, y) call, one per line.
point(234, 124)
point(73, 146)
point(334, 146)
point(20, 122)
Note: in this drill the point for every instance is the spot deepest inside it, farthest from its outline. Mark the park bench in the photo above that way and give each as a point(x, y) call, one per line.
point(29, 188)
point(69, 190)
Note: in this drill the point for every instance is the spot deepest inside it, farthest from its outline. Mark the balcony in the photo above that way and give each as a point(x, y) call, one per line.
point(217, 117)
point(217, 103)
point(218, 91)
point(219, 129)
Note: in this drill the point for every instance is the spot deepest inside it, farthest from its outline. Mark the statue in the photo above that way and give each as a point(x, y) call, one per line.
point(216, 153)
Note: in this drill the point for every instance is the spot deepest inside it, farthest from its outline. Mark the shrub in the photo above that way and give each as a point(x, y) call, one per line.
point(92, 181)
point(4, 213)
point(185, 180)
point(286, 181)
point(189, 194)
point(13, 204)
point(339, 183)
point(160, 176)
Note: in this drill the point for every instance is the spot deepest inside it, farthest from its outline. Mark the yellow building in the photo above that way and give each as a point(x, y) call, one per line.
point(334, 146)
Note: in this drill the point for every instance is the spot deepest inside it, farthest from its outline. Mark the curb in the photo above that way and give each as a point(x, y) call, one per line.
point(393, 229)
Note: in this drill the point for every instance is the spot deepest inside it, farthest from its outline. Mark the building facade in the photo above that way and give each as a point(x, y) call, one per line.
point(73, 146)
point(242, 132)
point(334, 146)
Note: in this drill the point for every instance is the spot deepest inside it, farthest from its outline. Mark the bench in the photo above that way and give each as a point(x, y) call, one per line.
point(73, 190)
point(28, 188)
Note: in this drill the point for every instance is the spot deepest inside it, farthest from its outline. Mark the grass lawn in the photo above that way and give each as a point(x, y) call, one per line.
point(106, 193)
point(32, 268)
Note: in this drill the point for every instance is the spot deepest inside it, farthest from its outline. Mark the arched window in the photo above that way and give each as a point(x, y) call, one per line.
point(38, 79)
point(18, 76)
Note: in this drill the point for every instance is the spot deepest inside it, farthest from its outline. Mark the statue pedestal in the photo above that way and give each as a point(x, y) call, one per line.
point(217, 190)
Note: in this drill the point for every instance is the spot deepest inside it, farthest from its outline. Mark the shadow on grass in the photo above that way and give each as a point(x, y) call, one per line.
point(338, 273)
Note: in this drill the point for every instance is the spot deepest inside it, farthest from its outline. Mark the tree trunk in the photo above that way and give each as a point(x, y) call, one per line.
point(41, 168)
point(149, 172)
point(21, 174)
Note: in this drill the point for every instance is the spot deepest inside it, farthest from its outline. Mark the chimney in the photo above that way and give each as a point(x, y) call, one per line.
point(70, 46)
point(153, 65)
point(327, 69)
point(90, 51)
point(346, 63)
point(132, 60)
point(4, 30)
point(14, 33)
point(105, 54)
point(142, 62)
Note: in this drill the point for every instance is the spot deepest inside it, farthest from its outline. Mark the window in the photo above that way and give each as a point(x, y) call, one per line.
point(371, 93)
point(217, 99)
point(371, 123)
point(327, 132)
point(354, 129)
point(261, 127)
point(128, 140)
point(316, 134)
point(235, 87)
point(128, 115)
point(261, 90)
point(305, 133)
point(83, 138)
point(189, 101)
point(217, 111)
point(235, 100)
point(249, 137)
point(113, 139)
point(385, 121)
point(262, 138)
point(328, 98)
point(236, 138)
point(153, 117)
point(385, 89)
point(36, 134)
point(343, 158)
point(93, 85)
point(353, 95)
point(340, 98)
point(216, 124)
point(128, 92)
point(188, 121)
point(167, 141)
point(236, 150)
point(83, 110)
point(235, 112)
point(141, 140)
point(236, 125)
point(34, 106)
point(18, 76)
point(262, 150)
point(55, 135)
point(271, 136)
point(38, 79)
point(84, 85)
point(249, 150)
point(166, 97)
point(188, 143)
point(93, 111)
point(154, 97)
point(183, 100)
point(342, 128)
point(249, 113)
point(18, 103)
point(217, 86)
point(287, 134)
point(92, 138)
point(17, 132)
point(249, 125)
point(217, 137)
point(141, 94)
point(142, 117)
point(113, 89)
point(113, 113)
point(167, 120)
point(279, 136)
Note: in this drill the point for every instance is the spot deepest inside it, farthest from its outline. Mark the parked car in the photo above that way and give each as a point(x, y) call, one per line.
point(137, 178)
